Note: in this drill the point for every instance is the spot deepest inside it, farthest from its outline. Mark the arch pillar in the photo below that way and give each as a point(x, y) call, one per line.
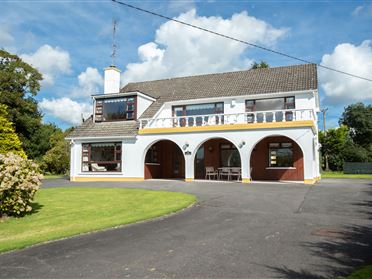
point(189, 168)
point(246, 164)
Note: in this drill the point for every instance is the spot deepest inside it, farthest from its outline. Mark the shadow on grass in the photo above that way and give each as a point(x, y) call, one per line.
point(341, 255)
point(36, 207)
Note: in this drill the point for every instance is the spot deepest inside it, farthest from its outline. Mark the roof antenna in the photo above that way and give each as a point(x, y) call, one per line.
point(114, 45)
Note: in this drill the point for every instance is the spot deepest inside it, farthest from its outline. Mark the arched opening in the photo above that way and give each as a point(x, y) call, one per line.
point(217, 159)
point(164, 159)
point(277, 158)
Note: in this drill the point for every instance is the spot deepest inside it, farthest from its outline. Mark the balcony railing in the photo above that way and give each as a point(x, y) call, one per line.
point(229, 119)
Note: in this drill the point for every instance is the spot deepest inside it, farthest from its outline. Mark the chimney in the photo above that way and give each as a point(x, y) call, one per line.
point(112, 80)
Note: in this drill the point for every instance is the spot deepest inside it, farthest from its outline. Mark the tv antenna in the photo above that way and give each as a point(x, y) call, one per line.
point(114, 45)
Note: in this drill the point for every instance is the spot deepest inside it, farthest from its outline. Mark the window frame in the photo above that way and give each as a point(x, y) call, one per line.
point(89, 152)
point(99, 105)
point(280, 146)
point(253, 107)
point(184, 108)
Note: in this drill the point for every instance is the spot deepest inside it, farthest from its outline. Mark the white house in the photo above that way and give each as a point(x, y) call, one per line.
point(247, 125)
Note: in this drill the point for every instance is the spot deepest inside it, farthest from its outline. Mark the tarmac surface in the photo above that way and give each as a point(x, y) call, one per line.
point(256, 230)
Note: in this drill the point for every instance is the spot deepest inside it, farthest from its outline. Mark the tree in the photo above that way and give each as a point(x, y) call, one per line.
point(358, 117)
point(19, 84)
point(40, 140)
point(333, 144)
point(57, 159)
point(260, 65)
point(9, 141)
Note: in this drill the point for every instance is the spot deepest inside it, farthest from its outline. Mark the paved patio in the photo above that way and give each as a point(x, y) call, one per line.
point(258, 230)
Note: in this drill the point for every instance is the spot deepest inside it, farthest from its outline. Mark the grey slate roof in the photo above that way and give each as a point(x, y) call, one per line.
point(250, 82)
point(105, 129)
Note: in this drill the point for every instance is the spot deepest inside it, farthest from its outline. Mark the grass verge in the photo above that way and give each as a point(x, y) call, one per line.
point(338, 174)
point(62, 212)
point(362, 273)
point(54, 176)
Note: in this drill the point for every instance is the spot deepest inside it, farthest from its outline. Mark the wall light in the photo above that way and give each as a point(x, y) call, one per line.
point(185, 146)
point(241, 144)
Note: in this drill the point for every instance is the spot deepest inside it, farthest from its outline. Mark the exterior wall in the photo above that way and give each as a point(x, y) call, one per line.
point(142, 105)
point(134, 150)
point(260, 161)
point(305, 100)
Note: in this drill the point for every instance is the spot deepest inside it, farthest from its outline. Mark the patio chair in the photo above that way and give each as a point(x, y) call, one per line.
point(236, 172)
point(224, 172)
point(210, 172)
point(95, 167)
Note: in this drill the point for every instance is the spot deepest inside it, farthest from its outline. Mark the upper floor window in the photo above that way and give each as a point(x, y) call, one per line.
point(115, 109)
point(197, 110)
point(270, 105)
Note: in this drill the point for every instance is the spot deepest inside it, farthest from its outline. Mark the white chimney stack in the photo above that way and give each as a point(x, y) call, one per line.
point(112, 80)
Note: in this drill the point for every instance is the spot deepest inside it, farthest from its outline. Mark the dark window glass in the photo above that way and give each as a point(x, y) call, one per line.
point(152, 155)
point(280, 155)
point(230, 156)
point(101, 157)
point(198, 109)
point(115, 109)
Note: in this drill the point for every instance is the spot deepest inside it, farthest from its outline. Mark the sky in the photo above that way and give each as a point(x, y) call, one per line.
point(70, 43)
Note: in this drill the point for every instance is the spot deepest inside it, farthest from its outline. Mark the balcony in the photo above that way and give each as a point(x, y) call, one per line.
point(235, 121)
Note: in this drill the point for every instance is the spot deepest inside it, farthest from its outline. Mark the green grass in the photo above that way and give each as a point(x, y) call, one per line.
point(62, 212)
point(53, 176)
point(362, 273)
point(338, 174)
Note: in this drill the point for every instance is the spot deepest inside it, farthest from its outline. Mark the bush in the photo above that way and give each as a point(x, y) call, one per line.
point(19, 180)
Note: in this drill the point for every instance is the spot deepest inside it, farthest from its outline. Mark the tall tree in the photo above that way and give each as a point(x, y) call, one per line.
point(260, 65)
point(358, 117)
point(9, 141)
point(19, 84)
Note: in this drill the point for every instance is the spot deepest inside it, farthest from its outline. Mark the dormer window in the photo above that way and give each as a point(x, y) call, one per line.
point(115, 109)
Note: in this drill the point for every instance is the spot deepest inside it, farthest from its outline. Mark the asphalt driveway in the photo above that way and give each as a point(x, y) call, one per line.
point(258, 230)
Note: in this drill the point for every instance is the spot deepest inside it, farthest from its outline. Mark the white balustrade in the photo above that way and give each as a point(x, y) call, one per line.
point(227, 119)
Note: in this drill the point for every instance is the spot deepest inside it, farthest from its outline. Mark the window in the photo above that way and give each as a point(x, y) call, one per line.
point(115, 109)
point(280, 155)
point(198, 109)
point(269, 105)
point(229, 155)
point(101, 157)
point(152, 155)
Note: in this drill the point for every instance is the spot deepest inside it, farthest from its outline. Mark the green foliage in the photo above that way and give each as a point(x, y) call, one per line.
point(9, 141)
point(355, 153)
point(333, 145)
point(19, 83)
point(361, 273)
point(19, 181)
point(57, 159)
point(40, 140)
point(358, 117)
point(260, 65)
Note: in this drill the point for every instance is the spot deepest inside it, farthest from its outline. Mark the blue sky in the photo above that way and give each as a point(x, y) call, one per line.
point(70, 43)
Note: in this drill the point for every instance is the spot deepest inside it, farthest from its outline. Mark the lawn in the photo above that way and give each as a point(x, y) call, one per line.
point(62, 212)
point(362, 273)
point(339, 174)
point(53, 176)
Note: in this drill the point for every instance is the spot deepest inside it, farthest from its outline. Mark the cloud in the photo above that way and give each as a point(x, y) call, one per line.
point(90, 82)
point(6, 39)
point(50, 62)
point(180, 50)
point(65, 109)
point(362, 11)
point(339, 88)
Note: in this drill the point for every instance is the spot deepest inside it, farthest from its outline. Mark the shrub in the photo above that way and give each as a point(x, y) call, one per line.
point(19, 180)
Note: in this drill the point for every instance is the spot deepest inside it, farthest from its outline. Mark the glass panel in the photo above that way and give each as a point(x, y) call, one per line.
point(281, 157)
point(230, 158)
point(269, 104)
point(200, 109)
point(102, 152)
point(114, 109)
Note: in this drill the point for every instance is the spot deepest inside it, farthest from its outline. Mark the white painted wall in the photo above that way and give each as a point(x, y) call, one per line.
point(303, 100)
point(134, 150)
point(112, 80)
point(142, 104)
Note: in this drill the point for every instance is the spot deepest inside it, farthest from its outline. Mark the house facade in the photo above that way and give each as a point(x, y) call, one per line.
point(247, 125)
